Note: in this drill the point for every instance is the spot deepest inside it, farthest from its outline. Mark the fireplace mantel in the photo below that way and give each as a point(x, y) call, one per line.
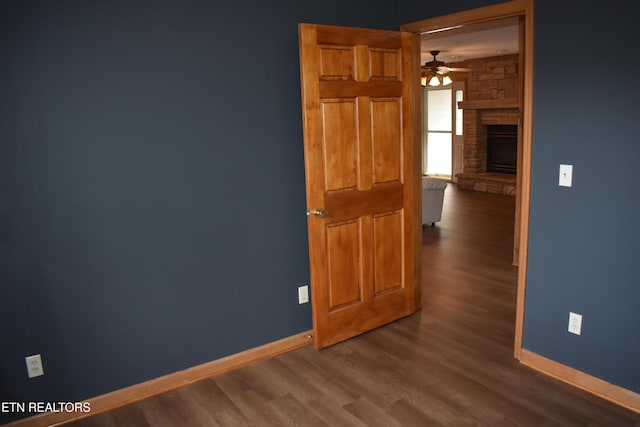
point(488, 104)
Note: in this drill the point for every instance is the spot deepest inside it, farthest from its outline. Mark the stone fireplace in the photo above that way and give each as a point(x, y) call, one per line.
point(492, 93)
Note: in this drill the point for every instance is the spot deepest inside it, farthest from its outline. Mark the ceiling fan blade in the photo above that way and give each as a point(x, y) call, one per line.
point(462, 70)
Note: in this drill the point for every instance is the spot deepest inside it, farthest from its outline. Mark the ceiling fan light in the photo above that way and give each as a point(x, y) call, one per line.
point(423, 81)
point(446, 80)
point(434, 81)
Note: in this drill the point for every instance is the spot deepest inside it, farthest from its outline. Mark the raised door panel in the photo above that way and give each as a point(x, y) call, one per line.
point(386, 134)
point(385, 64)
point(339, 143)
point(343, 265)
point(336, 63)
point(388, 252)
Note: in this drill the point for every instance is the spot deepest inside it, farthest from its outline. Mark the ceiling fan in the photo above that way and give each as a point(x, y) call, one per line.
point(434, 73)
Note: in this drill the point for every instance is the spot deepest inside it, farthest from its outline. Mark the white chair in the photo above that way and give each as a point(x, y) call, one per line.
point(432, 199)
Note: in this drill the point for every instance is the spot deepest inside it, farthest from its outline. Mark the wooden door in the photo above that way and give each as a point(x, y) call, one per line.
point(359, 146)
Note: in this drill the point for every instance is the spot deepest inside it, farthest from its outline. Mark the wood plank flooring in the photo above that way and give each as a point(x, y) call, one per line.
point(451, 364)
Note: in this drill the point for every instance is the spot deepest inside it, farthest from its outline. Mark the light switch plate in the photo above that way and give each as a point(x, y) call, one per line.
point(566, 175)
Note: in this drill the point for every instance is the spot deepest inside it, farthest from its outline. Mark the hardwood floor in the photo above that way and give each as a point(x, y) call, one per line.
point(451, 364)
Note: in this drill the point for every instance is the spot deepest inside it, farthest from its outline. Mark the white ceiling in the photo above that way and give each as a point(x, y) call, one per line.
point(484, 40)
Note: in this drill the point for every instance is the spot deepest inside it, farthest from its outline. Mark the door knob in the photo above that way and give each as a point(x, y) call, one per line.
point(318, 213)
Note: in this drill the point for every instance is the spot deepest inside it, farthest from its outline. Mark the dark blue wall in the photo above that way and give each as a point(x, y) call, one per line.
point(151, 185)
point(416, 10)
point(584, 240)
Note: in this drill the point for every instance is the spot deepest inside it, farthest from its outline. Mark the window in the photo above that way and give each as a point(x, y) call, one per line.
point(442, 124)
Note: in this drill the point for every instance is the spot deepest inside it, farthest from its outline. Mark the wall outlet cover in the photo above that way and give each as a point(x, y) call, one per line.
point(575, 323)
point(303, 294)
point(34, 366)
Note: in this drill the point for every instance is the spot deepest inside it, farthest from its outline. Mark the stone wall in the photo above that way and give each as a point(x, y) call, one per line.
point(492, 78)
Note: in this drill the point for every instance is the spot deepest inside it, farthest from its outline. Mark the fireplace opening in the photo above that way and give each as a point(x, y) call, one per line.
point(502, 148)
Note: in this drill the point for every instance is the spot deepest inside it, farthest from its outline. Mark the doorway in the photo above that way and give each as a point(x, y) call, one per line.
point(522, 9)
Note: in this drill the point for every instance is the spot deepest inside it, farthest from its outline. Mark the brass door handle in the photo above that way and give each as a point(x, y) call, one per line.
point(318, 213)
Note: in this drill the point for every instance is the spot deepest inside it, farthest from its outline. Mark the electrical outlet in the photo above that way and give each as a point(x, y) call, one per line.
point(303, 294)
point(34, 366)
point(575, 323)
